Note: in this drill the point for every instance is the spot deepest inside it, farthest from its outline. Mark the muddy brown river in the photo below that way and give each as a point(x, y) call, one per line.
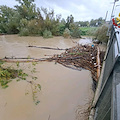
point(65, 92)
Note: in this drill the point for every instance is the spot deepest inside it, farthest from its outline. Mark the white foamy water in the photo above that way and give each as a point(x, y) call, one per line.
point(85, 41)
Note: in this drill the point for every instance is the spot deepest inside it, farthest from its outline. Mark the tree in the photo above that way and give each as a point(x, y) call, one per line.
point(50, 23)
point(97, 22)
point(66, 33)
point(26, 9)
point(27, 3)
point(101, 34)
point(74, 30)
point(83, 23)
point(8, 20)
point(70, 19)
point(93, 22)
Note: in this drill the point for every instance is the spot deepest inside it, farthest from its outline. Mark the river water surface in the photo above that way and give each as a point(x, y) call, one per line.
point(64, 91)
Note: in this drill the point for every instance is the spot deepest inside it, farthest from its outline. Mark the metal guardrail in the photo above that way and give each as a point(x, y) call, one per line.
point(107, 102)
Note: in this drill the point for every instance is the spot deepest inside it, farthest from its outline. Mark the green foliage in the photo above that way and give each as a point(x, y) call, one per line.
point(75, 31)
point(47, 34)
point(66, 33)
point(24, 32)
point(27, 9)
point(8, 74)
point(34, 63)
point(26, 19)
point(32, 27)
point(69, 20)
point(101, 34)
point(23, 23)
point(97, 22)
point(90, 31)
point(55, 30)
point(61, 28)
point(83, 23)
point(8, 20)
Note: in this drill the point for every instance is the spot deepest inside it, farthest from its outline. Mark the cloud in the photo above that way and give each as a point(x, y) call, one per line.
point(10, 3)
point(80, 9)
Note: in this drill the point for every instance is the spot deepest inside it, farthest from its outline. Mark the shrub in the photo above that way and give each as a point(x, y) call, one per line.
point(23, 23)
point(32, 27)
point(55, 30)
point(24, 32)
point(61, 29)
point(76, 33)
point(90, 31)
point(101, 34)
point(66, 33)
point(0, 31)
point(47, 34)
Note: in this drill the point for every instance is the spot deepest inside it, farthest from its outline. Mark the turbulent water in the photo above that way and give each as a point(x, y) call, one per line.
point(64, 91)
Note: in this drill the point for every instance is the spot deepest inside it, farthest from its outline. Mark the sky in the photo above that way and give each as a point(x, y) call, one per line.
point(82, 10)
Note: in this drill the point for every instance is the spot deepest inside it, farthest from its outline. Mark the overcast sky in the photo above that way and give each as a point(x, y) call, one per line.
point(82, 10)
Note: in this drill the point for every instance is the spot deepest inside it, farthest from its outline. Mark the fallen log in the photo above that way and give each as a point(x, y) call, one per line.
point(22, 59)
point(98, 62)
point(47, 48)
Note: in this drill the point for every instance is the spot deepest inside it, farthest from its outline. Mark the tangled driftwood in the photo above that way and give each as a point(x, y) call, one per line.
point(78, 57)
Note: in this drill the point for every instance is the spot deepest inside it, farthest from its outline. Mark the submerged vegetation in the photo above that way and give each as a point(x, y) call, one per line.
point(8, 74)
point(27, 19)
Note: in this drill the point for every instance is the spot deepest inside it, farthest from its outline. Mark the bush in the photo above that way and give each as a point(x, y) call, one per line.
point(90, 31)
point(24, 32)
point(0, 31)
point(32, 27)
point(101, 34)
point(55, 30)
point(66, 33)
point(76, 33)
point(47, 34)
point(61, 29)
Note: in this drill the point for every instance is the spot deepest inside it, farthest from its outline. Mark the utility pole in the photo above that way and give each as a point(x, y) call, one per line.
point(106, 15)
point(112, 10)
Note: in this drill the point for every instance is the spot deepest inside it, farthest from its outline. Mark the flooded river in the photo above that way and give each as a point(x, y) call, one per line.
point(64, 91)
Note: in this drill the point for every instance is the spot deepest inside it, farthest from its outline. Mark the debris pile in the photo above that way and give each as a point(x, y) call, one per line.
point(79, 57)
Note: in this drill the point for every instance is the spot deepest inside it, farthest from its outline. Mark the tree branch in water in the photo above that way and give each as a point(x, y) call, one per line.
point(46, 47)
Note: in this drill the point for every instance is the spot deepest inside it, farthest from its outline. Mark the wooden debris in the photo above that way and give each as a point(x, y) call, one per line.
point(78, 57)
point(98, 62)
point(46, 47)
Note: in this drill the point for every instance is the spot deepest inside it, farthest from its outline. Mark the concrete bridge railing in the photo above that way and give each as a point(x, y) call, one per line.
point(106, 104)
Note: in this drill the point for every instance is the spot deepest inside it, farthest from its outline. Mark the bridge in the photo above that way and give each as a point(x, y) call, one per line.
point(106, 103)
